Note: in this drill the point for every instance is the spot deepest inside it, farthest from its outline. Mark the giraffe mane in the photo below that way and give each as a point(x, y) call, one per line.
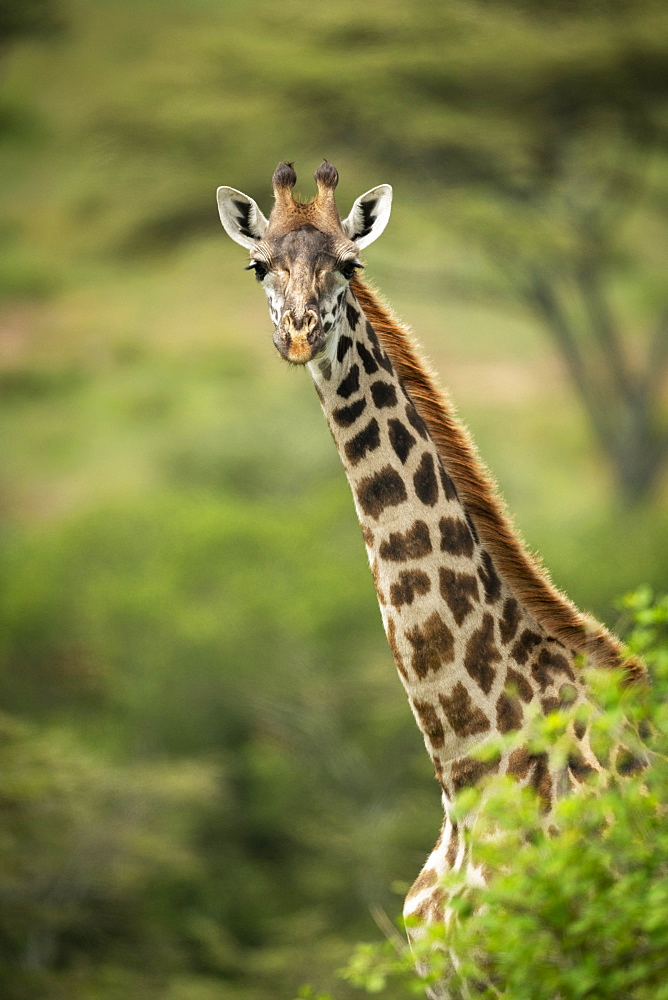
point(522, 571)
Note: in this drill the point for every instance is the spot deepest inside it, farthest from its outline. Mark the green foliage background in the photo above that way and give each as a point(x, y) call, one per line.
point(210, 776)
point(580, 912)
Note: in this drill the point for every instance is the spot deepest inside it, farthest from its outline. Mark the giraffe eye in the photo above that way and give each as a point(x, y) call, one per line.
point(348, 269)
point(260, 269)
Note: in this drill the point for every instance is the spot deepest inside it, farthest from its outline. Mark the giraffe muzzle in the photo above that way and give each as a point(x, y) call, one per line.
point(299, 339)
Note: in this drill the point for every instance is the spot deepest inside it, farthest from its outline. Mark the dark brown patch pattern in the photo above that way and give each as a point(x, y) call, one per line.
point(425, 482)
point(350, 383)
point(416, 421)
point(347, 415)
point(437, 900)
point(425, 880)
point(394, 648)
point(466, 771)
point(550, 705)
point(509, 715)
point(449, 488)
point(481, 653)
point(376, 579)
point(472, 528)
point(352, 315)
point(509, 620)
point(401, 439)
point(438, 771)
point(411, 544)
point(453, 847)
point(381, 490)
point(370, 366)
point(462, 713)
point(366, 441)
point(627, 762)
point(547, 663)
point(489, 579)
point(430, 723)
point(579, 767)
point(519, 763)
point(377, 351)
point(367, 535)
point(409, 583)
point(459, 591)
point(433, 645)
point(456, 537)
point(431, 909)
point(522, 761)
point(343, 346)
point(524, 645)
point(520, 684)
point(541, 779)
point(384, 394)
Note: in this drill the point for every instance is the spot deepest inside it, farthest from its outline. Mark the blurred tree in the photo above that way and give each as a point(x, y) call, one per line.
point(30, 17)
point(94, 857)
point(546, 124)
point(535, 131)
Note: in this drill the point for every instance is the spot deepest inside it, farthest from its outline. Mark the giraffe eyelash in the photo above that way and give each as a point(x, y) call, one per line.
point(261, 270)
point(348, 268)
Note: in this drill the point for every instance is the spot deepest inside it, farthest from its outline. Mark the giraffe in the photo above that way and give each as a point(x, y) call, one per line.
point(479, 634)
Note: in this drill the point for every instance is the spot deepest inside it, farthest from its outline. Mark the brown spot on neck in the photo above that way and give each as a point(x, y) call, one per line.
point(477, 491)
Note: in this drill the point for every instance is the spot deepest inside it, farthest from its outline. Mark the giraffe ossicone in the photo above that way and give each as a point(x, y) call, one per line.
point(479, 634)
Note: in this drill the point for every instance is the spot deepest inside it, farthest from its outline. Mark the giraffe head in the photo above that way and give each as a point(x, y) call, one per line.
point(304, 255)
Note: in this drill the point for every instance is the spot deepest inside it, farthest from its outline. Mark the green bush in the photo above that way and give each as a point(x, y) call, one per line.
point(582, 911)
point(93, 860)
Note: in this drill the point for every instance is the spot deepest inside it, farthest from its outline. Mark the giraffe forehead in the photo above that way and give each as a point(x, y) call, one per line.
point(307, 246)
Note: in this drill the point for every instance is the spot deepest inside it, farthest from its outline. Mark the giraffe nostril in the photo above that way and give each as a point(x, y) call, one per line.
point(298, 335)
point(311, 326)
point(304, 323)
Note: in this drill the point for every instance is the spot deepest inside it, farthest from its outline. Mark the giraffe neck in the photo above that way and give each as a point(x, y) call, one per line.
point(459, 636)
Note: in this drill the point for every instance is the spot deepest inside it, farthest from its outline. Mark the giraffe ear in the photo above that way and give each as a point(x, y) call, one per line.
point(369, 216)
point(240, 216)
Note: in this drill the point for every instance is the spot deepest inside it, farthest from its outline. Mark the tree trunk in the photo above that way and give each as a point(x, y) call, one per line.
point(621, 404)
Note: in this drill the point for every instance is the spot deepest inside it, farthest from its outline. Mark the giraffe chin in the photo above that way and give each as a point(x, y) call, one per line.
point(298, 348)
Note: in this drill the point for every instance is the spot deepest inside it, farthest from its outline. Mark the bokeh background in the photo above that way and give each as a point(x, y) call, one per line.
point(210, 783)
